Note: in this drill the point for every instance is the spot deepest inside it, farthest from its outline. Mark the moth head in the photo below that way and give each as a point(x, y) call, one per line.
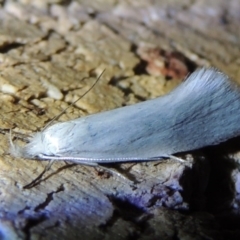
point(31, 150)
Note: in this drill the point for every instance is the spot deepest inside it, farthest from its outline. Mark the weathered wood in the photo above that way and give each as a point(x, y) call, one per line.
point(51, 54)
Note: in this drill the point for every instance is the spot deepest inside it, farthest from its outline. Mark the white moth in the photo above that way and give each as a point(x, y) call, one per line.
point(204, 110)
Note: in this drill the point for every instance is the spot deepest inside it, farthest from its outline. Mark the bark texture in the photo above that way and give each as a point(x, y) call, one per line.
point(51, 52)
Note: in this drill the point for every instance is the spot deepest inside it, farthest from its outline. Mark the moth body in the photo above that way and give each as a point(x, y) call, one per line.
point(204, 110)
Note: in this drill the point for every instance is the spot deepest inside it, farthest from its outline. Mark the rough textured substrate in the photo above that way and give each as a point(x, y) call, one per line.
point(51, 52)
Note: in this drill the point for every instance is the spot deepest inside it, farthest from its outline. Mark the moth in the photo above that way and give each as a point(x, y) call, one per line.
point(204, 110)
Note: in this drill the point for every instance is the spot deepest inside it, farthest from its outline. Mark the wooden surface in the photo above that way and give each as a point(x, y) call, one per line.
point(51, 52)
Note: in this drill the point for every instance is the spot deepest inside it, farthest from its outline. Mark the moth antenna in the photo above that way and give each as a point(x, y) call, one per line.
point(60, 114)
